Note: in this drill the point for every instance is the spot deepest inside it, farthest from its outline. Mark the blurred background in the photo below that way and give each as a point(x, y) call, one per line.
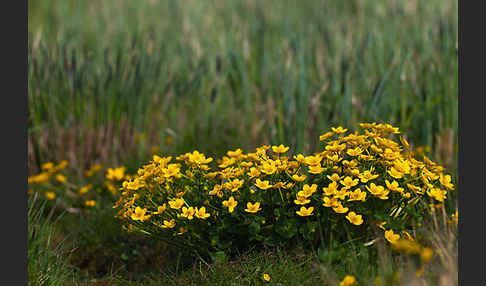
point(113, 82)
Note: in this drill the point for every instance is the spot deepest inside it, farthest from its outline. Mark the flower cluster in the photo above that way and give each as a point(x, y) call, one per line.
point(97, 184)
point(355, 183)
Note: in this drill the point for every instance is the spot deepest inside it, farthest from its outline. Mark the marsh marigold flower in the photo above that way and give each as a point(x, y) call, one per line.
point(201, 213)
point(176, 204)
point(266, 277)
point(348, 182)
point(340, 209)
point(50, 195)
point(326, 136)
point(90, 203)
point(264, 185)
point(298, 178)
point(61, 178)
point(115, 174)
point(426, 254)
point(160, 209)
point(139, 214)
point(339, 130)
point(280, 149)
point(169, 224)
point(354, 218)
point(301, 200)
point(446, 182)
point(252, 208)
point(348, 280)
point(230, 204)
point(188, 213)
point(83, 190)
point(305, 211)
point(391, 236)
point(316, 169)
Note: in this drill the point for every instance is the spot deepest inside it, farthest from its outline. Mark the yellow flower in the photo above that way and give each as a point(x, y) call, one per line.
point(406, 245)
point(437, 193)
point(381, 224)
point(198, 158)
point(340, 209)
point(188, 213)
point(301, 200)
point(395, 173)
point(391, 237)
point(402, 166)
point(288, 185)
point(47, 166)
point(313, 160)
point(169, 224)
point(378, 191)
point(391, 155)
point(334, 177)
point(354, 152)
point(357, 195)
point(339, 130)
point(341, 194)
point(266, 277)
point(234, 185)
point(331, 189)
point(139, 214)
point(348, 280)
point(300, 158)
point(280, 149)
point(263, 184)
point(330, 202)
point(446, 182)
point(348, 182)
point(160, 209)
point(90, 203)
point(404, 143)
point(39, 178)
point(60, 178)
point(416, 189)
point(316, 169)
point(237, 153)
point(268, 168)
point(367, 176)
point(230, 204)
point(115, 174)
point(83, 190)
point(298, 178)
point(305, 211)
point(354, 218)
point(307, 190)
point(326, 136)
point(201, 213)
point(50, 195)
point(253, 172)
point(182, 230)
point(252, 208)
point(426, 254)
point(334, 158)
point(176, 204)
point(393, 186)
point(92, 170)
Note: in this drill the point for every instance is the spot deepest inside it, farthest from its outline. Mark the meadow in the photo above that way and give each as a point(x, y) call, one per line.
point(112, 83)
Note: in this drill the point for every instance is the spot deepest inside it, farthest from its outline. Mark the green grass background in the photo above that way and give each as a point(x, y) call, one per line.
point(220, 74)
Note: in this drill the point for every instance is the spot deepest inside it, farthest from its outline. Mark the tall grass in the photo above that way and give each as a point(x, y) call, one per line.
point(213, 75)
point(47, 258)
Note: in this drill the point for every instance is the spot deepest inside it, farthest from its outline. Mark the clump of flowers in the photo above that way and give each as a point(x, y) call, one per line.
point(97, 185)
point(356, 183)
